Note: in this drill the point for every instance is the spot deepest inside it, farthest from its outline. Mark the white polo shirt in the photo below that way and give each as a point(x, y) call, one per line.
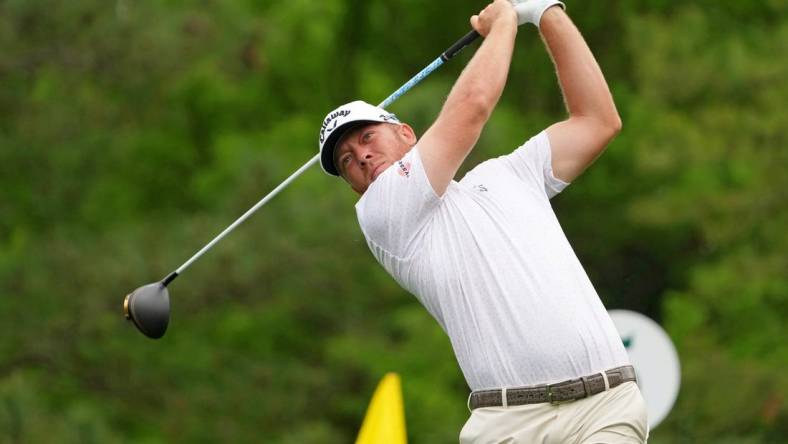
point(490, 262)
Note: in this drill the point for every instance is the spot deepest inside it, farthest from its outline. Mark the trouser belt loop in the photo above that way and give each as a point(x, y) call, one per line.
point(504, 398)
point(607, 382)
point(586, 388)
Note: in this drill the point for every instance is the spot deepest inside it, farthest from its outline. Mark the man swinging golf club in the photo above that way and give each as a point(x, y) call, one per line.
point(485, 255)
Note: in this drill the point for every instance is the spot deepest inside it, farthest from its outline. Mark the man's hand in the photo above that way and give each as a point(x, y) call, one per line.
point(530, 11)
point(497, 12)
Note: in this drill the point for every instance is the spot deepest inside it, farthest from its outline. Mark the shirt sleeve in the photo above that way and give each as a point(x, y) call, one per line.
point(396, 208)
point(532, 163)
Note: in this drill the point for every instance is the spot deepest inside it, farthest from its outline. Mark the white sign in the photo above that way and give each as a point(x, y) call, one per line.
point(655, 360)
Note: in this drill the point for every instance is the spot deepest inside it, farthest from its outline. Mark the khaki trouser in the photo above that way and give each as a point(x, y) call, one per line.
point(615, 416)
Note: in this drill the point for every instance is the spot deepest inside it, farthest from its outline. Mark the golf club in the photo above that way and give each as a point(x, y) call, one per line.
point(148, 307)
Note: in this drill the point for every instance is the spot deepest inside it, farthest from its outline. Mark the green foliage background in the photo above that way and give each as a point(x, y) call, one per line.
point(131, 132)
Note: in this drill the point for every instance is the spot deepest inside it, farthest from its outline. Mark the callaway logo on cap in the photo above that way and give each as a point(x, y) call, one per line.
point(330, 123)
point(339, 121)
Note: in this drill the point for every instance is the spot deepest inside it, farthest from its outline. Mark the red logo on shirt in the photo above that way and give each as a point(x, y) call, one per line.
point(404, 168)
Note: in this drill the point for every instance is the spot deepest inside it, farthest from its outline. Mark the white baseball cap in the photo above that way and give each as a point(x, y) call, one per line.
point(339, 121)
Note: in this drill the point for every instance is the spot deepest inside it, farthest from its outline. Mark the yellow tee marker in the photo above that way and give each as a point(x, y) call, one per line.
point(384, 422)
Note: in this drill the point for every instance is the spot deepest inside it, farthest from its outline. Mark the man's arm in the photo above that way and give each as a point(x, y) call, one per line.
point(444, 146)
point(593, 120)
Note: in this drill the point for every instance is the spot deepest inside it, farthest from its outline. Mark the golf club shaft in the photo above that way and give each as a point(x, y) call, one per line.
point(447, 55)
point(246, 215)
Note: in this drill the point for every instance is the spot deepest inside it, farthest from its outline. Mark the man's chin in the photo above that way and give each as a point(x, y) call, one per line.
point(378, 171)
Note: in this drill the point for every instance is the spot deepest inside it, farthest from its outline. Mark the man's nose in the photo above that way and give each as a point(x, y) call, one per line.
point(365, 158)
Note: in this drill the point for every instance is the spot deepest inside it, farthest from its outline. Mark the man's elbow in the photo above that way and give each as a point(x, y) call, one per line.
point(616, 124)
point(473, 104)
point(603, 132)
point(480, 104)
point(609, 127)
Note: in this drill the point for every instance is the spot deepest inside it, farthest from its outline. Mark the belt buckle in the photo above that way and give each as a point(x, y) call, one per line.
point(550, 397)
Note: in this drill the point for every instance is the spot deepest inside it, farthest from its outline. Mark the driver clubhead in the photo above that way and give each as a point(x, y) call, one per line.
point(148, 307)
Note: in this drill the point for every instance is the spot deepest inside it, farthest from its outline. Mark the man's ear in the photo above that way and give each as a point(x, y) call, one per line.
point(407, 133)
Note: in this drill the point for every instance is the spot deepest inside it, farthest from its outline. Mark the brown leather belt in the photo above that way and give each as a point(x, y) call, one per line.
point(554, 393)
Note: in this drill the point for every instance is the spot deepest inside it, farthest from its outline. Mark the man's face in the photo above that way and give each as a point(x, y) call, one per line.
point(364, 152)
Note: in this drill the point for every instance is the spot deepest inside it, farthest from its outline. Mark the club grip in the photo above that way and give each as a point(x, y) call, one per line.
point(466, 40)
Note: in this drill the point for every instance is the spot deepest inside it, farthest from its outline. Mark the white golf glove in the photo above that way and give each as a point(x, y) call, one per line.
point(530, 11)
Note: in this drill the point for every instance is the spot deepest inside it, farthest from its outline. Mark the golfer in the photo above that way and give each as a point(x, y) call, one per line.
point(486, 255)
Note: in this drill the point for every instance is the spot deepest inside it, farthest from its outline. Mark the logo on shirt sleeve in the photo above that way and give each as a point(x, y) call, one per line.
point(403, 168)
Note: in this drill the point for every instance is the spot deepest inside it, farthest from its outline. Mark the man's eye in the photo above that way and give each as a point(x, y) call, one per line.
point(367, 136)
point(344, 160)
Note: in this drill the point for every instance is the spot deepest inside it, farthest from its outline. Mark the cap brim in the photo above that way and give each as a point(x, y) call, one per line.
point(327, 154)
